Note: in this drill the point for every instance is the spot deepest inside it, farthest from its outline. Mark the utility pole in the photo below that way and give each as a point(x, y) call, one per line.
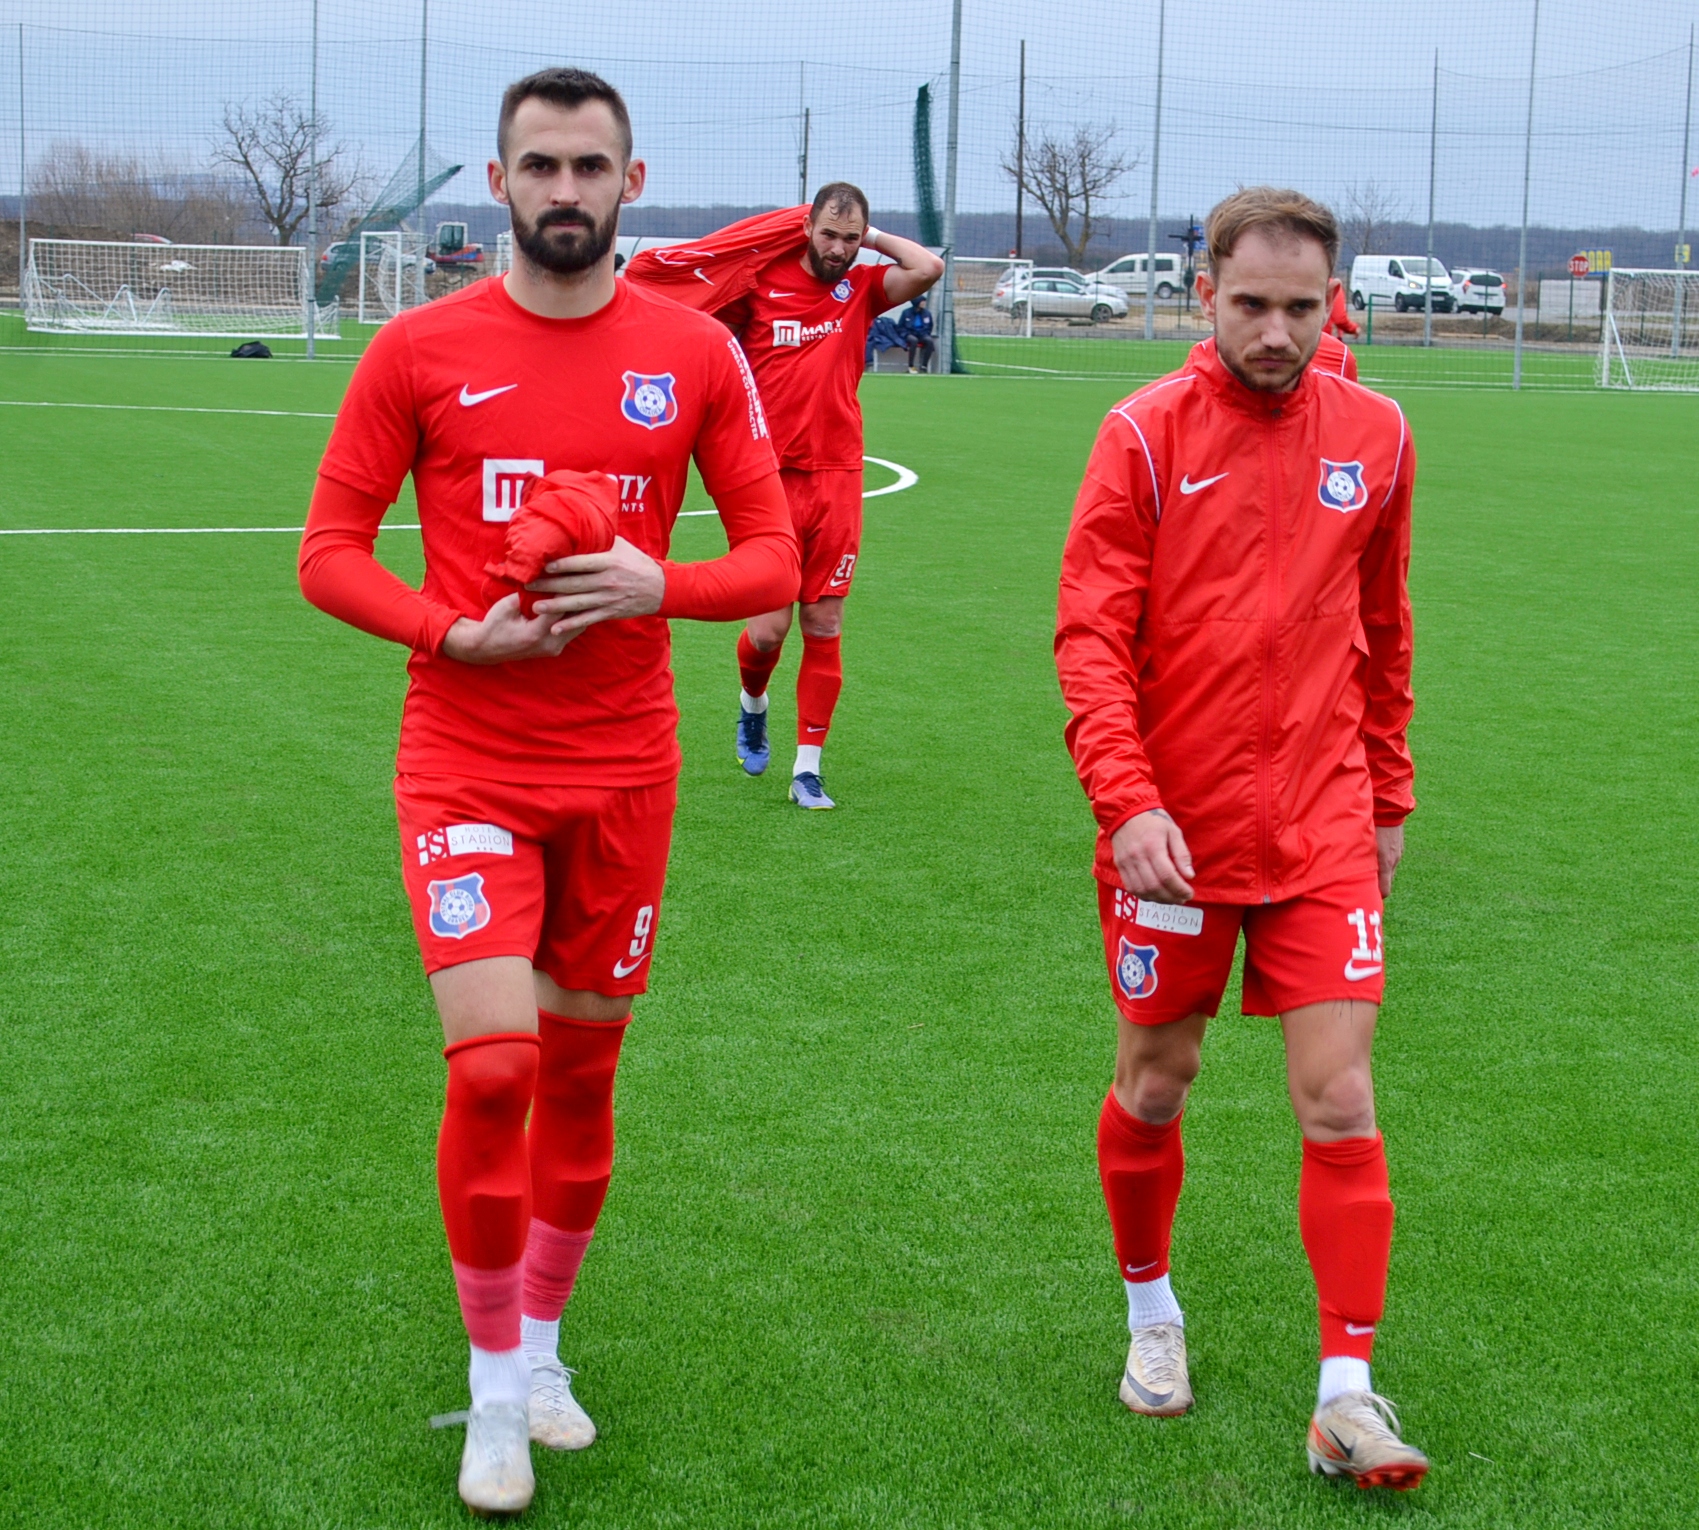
point(1527, 172)
point(23, 243)
point(802, 130)
point(1433, 141)
point(313, 195)
point(1155, 168)
point(419, 199)
point(949, 303)
point(1020, 157)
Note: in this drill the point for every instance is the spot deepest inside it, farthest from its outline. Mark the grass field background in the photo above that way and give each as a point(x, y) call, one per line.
point(854, 1269)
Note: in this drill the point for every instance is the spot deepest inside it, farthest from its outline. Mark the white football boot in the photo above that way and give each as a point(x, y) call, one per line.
point(495, 1466)
point(1155, 1381)
point(1355, 1435)
point(557, 1418)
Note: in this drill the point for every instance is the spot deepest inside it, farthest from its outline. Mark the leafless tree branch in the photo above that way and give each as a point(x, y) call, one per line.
point(271, 148)
point(1070, 176)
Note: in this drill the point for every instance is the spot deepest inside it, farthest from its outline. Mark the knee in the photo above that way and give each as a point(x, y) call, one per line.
point(822, 625)
point(1341, 1105)
point(493, 1079)
point(1154, 1090)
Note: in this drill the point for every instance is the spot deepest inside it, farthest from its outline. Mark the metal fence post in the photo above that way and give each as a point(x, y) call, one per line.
point(950, 147)
point(1527, 172)
point(1155, 170)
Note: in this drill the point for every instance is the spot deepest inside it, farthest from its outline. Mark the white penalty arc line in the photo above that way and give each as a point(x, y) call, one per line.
point(907, 478)
point(275, 414)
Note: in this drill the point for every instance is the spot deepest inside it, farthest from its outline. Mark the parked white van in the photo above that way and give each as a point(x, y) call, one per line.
point(1401, 280)
point(1128, 275)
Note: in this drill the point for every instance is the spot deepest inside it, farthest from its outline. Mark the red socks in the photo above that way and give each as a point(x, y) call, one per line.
point(483, 1179)
point(1345, 1216)
point(754, 666)
point(817, 685)
point(1142, 1167)
point(572, 1152)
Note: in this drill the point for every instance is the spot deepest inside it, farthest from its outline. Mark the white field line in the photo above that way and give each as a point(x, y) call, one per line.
point(277, 414)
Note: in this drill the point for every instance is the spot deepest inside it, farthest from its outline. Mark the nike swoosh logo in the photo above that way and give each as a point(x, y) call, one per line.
point(1188, 487)
point(1149, 1398)
point(772, 293)
point(469, 398)
point(812, 729)
point(1356, 973)
point(625, 969)
point(1133, 1269)
point(1358, 1329)
point(708, 279)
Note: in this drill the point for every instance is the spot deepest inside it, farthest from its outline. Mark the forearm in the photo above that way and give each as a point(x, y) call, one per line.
point(762, 570)
point(339, 574)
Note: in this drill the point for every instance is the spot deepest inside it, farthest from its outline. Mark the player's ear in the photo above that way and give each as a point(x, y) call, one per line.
point(1205, 285)
point(636, 173)
point(498, 181)
point(1334, 286)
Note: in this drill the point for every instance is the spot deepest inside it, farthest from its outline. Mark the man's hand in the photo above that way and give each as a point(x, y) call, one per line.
point(1389, 851)
point(600, 587)
point(504, 635)
point(1151, 855)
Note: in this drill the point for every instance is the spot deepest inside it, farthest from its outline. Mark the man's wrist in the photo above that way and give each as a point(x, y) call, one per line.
point(870, 238)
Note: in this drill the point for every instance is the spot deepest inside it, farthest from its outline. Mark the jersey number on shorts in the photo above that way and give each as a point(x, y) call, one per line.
point(639, 948)
point(846, 567)
point(1365, 959)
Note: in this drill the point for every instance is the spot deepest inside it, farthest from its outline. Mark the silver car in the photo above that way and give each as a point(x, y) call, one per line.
point(1057, 297)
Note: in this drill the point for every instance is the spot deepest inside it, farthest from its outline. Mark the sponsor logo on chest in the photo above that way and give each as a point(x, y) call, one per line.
point(795, 332)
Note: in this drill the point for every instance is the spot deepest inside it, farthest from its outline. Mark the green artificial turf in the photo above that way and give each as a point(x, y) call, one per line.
point(854, 1269)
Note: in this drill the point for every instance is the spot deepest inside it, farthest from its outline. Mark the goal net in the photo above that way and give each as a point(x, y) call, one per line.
point(991, 296)
point(503, 259)
point(392, 273)
point(79, 286)
point(1650, 335)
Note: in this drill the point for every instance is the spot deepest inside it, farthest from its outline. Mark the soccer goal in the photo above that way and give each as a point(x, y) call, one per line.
point(503, 262)
point(992, 296)
point(84, 286)
point(1650, 335)
point(392, 273)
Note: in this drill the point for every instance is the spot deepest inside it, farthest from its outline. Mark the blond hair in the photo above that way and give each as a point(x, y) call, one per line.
point(1273, 209)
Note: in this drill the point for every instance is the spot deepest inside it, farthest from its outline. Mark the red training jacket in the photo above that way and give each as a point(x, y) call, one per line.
point(1334, 355)
point(1233, 634)
point(717, 270)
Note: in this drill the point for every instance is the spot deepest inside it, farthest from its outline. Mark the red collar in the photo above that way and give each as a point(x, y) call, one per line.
point(1205, 361)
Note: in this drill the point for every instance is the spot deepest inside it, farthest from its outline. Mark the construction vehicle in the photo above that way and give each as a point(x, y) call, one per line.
point(450, 247)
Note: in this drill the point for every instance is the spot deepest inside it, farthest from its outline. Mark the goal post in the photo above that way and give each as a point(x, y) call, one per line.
point(85, 286)
point(392, 273)
point(1649, 331)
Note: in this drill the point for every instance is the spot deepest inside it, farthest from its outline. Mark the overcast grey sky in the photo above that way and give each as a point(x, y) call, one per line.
point(1318, 93)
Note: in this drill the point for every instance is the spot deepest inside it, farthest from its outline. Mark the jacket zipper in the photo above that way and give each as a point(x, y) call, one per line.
point(1265, 765)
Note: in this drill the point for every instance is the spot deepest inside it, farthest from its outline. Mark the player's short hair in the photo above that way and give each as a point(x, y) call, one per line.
point(837, 196)
point(1273, 209)
point(562, 87)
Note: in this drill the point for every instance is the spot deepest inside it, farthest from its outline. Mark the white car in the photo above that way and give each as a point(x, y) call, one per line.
point(1128, 274)
point(1479, 291)
point(1053, 296)
point(1402, 281)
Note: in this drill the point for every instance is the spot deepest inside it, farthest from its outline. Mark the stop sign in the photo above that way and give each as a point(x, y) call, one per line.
point(1579, 265)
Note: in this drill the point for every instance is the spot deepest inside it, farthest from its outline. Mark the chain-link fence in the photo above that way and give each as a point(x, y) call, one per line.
point(1499, 142)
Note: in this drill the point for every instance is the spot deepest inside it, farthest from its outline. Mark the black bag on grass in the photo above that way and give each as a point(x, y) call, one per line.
point(252, 348)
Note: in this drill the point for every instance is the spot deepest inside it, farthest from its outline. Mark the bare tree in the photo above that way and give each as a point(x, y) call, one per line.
point(271, 145)
point(1069, 177)
point(75, 187)
point(1369, 208)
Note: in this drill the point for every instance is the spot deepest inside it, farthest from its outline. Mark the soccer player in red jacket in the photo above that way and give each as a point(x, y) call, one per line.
point(804, 326)
point(537, 770)
point(1234, 646)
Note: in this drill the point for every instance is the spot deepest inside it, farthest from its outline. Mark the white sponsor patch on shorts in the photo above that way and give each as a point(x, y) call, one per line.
point(1174, 918)
point(464, 839)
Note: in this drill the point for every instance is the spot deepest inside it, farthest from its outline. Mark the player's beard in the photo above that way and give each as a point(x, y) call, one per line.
point(564, 257)
point(1265, 382)
point(825, 272)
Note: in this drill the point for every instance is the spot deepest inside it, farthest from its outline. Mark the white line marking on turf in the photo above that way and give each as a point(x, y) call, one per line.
point(170, 531)
point(907, 478)
point(279, 414)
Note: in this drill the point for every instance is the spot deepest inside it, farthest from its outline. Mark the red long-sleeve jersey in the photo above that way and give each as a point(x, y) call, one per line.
point(1234, 636)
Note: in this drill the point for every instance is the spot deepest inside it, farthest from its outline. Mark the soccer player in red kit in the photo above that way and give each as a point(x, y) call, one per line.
point(538, 759)
point(1234, 644)
point(804, 327)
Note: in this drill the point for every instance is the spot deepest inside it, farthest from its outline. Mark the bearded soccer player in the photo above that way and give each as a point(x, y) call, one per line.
point(1234, 645)
point(538, 759)
point(804, 326)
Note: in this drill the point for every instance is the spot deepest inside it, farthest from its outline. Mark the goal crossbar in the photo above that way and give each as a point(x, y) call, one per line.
point(1649, 330)
point(87, 286)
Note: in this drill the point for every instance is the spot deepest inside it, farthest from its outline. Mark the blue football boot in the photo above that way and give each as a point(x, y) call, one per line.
point(753, 750)
point(809, 791)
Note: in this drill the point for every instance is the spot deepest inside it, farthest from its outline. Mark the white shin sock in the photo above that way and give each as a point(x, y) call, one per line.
point(1341, 1373)
point(539, 1338)
point(500, 1376)
point(1150, 1302)
point(807, 759)
point(752, 703)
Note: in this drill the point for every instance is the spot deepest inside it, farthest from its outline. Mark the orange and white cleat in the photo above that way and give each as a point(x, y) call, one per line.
point(1355, 1435)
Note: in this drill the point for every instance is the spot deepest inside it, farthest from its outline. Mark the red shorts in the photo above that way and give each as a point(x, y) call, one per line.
point(568, 877)
point(826, 511)
point(1170, 960)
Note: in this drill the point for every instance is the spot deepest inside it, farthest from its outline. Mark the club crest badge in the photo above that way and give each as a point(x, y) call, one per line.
point(649, 400)
point(1135, 969)
point(458, 906)
point(1342, 487)
point(843, 290)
